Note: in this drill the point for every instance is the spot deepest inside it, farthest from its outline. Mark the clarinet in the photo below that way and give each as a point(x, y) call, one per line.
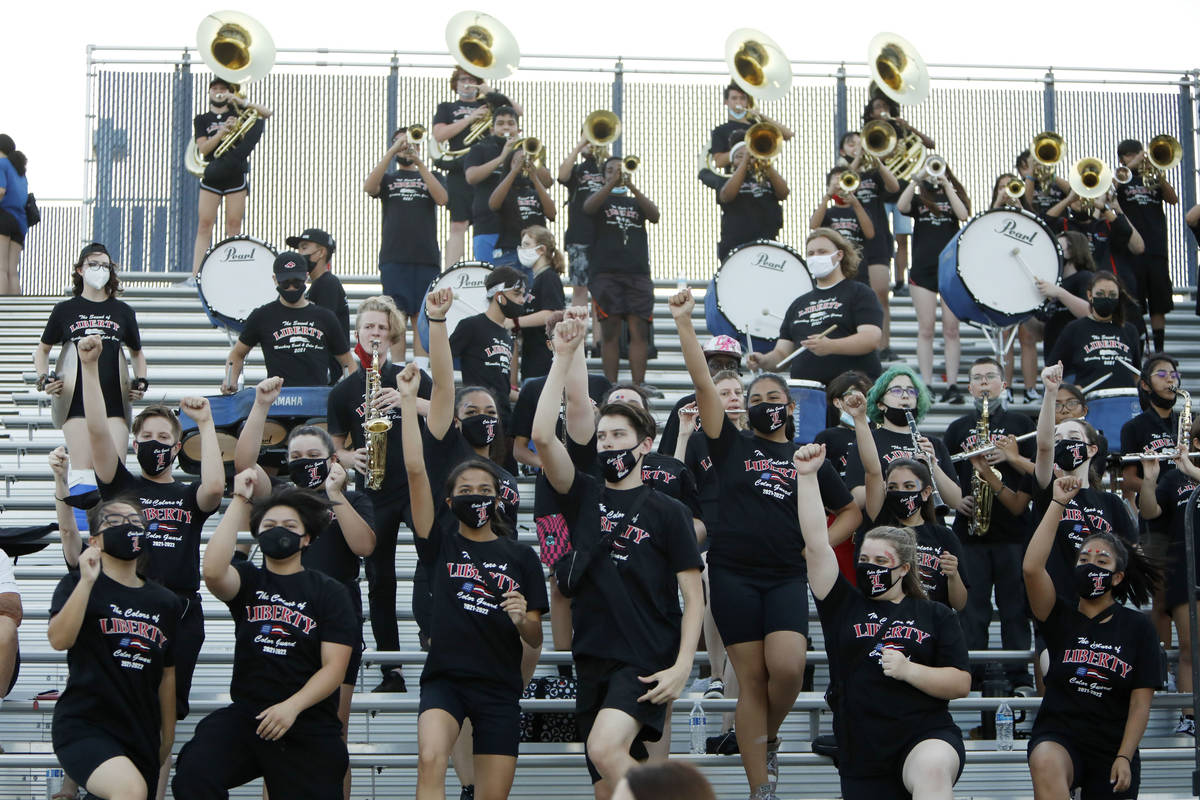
point(939, 505)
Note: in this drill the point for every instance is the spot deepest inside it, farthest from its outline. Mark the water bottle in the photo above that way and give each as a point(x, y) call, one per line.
point(54, 782)
point(1004, 727)
point(698, 727)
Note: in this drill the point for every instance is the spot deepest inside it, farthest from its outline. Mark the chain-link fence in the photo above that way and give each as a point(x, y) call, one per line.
point(331, 122)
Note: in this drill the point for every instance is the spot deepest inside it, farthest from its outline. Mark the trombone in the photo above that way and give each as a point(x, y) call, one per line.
point(601, 128)
point(1163, 153)
point(1047, 150)
point(535, 153)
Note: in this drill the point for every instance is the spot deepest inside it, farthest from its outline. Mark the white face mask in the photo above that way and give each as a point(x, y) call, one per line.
point(528, 256)
point(96, 277)
point(821, 265)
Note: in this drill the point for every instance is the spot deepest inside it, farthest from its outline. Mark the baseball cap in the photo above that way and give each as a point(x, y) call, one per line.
point(723, 345)
point(289, 266)
point(316, 236)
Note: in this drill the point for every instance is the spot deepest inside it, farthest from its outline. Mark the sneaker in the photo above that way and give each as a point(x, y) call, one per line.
point(1024, 690)
point(467, 793)
point(773, 763)
point(392, 682)
point(1186, 725)
point(1032, 395)
point(764, 792)
point(715, 690)
point(653, 391)
point(723, 744)
point(699, 686)
point(900, 290)
point(1008, 396)
point(953, 395)
point(1171, 685)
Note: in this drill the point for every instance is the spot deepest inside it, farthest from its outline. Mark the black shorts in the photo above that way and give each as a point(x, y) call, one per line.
point(225, 752)
point(746, 608)
point(407, 284)
point(11, 228)
point(80, 755)
point(1153, 283)
point(924, 275)
point(605, 683)
point(461, 193)
point(15, 674)
point(619, 294)
point(1177, 581)
point(110, 387)
point(222, 179)
point(877, 249)
point(189, 638)
point(891, 786)
point(1091, 768)
point(356, 653)
point(493, 708)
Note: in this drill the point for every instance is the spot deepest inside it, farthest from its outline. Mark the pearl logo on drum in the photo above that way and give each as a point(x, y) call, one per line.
point(467, 282)
point(764, 260)
point(1009, 229)
point(233, 254)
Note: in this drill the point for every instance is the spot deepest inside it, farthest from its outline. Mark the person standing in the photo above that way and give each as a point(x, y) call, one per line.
point(521, 200)
point(484, 167)
point(738, 107)
point(751, 201)
point(14, 224)
point(539, 253)
point(324, 287)
point(1089, 347)
point(408, 253)
point(582, 181)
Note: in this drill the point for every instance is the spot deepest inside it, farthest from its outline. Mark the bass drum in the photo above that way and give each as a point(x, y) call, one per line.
point(470, 297)
point(67, 369)
point(235, 278)
point(752, 290)
point(985, 274)
point(1109, 410)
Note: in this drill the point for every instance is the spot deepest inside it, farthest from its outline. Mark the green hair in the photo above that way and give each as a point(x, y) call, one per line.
point(875, 395)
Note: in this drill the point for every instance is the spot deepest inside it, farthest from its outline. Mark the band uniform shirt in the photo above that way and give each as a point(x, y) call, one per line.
point(116, 323)
point(409, 219)
point(845, 305)
point(1089, 350)
point(296, 342)
point(548, 295)
point(484, 351)
point(719, 138)
point(206, 125)
point(620, 243)
point(1144, 207)
point(522, 208)
point(327, 292)
point(1089, 511)
point(587, 178)
point(961, 438)
point(483, 219)
point(448, 114)
point(754, 213)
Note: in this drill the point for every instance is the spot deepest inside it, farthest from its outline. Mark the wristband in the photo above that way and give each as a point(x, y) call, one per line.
point(434, 319)
point(140, 384)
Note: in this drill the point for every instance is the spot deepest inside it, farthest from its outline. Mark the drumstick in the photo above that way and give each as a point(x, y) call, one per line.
point(459, 298)
point(1094, 384)
point(1016, 254)
point(1129, 367)
point(800, 350)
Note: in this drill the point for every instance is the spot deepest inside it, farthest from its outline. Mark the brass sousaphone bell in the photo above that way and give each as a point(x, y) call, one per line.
point(898, 71)
point(758, 65)
point(480, 44)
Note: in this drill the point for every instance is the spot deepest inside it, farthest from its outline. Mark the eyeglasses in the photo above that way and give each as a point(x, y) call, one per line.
point(1109, 295)
point(112, 520)
point(1067, 405)
point(95, 264)
point(901, 392)
point(986, 378)
point(1163, 373)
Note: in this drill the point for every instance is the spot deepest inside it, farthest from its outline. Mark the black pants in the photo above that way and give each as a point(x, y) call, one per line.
point(188, 641)
point(225, 752)
point(997, 566)
point(381, 575)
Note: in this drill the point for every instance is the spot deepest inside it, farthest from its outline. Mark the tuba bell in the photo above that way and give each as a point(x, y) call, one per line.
point(897, 68)
point(758, 65)
point(480, 44)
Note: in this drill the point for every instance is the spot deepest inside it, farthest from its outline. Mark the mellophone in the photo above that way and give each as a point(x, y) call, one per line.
point(295, 406)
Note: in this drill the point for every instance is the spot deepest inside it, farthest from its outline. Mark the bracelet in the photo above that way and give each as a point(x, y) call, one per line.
point(60, 499)
point(1061, 503)
point(1127, 758)
point(435, 319)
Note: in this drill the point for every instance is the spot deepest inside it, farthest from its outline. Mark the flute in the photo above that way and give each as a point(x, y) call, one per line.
point(939, 504)
point(987, 448)
point(1162, 455)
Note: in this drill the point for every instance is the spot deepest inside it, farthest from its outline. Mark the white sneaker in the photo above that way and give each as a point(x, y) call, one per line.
point(1032, 395)
point(715, 690)
point(773, 764)
point(699, 686)
point(1186, 725)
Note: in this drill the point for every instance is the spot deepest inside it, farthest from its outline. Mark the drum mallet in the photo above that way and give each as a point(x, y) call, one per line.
point(800, 350)
point(1094, 384)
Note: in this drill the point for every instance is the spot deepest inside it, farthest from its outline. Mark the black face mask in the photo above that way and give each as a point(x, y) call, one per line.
point(312, 262)
point(873, 580)
point(1104, 306)
point(473, 510)
point(1162, 402)
point(767, 417)
point(308, 473)
point(153, 457)
point(510, 309)
point(123, 541)
point(617, 463)
point(479, 430)
point(896, 416)
point(405, 162)
point(278, 542)
point(1092, 581)
point(291, 295)
point(903, 504)
point(1069, 454)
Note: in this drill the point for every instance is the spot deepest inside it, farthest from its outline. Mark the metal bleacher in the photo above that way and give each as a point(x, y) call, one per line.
point(186, 355)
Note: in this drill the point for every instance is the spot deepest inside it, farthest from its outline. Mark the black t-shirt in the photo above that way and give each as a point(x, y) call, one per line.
point(873, 196)
point(1077, 284)
point(754, 213)
point(1041, 202)
point(327, 292)
point(1144, 207)
point(697, 459)
point(932, 230)
point(116, 664)
point(844, 220)
point(719, 139)
point(115, 323)
point(586, 179)
point(449, 113)
point(847, 304)
point(757, 527)
point(330, 555)
point(409, 219)
point(620, 243)
point(872, 713)
point(1172, 491)
point(1088, 349)
point(531, 392)
point(1148, 432)
point(961, 437)
point(443, 455)
point(174, 522)
point(483, 219)
point(1090, 511)
point(280, 623)
point(647, 549)
point(484, 350)
point(296, 342)
point(933, 541)
point(345, 415)
point(522, 207)
point(206, 125)
point(893, 445)
point(671, 476)
point(670, 430)
point(1095, 664)
point(838, 441)
point(471, 637)
point(548, 295)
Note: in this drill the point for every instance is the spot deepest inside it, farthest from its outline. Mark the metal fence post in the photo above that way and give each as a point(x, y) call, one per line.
point(184, 200)
point(618, 101)
point(1187, 137)
point(393, 98)
point(1048, 98)
point(106, 225)
point(840, 124)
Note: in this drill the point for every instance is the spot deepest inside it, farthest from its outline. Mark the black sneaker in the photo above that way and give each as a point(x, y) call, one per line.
point(467, 793)
point(392, 682)
point(724, 744)
point(953, 395)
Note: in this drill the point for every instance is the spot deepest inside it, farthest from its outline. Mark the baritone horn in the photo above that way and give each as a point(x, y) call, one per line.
point(601, 128)
point(1163, 153)
point(757, 65)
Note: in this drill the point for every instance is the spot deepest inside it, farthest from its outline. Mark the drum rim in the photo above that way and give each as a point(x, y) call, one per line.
point(241, 237)
point(447, 271)
point(717, 292)
point(805, 383)
point(1010, 317)
point(1121, 391)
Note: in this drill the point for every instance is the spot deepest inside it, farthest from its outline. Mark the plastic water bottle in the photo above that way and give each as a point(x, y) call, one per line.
point(698, 727)
point(1004, 727)
point(54, 782)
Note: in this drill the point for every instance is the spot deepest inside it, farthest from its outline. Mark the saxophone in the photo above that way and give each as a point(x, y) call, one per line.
point(981, 490)
point(375, 424)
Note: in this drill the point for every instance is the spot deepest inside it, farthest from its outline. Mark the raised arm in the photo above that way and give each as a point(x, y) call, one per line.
point(556, 462)
point(1039, 588)
point(729, 190)
point(359, 536)
point(419, 491)
point(905, 200)
point(822, 562)
point(957, 204)
point(498, 195)
point(441, 363)
point(249, 441)
point(873, 482)
point(708, 400)
point(568, 165)
point(374, 178)
point(68, 530)
point(864, 219)
point(1147, 497)
point(219, 575)
point(104, 453)
point(649, 210)
point(64, 626)
point(1043, 465)
point(212, 468)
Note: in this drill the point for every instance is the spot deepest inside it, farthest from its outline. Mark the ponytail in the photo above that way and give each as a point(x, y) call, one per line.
point(18, 160)
point(542, 236)
point(904, 542)
point(1143, 575)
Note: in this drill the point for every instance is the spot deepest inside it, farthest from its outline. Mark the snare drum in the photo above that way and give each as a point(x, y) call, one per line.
point(811, 405)
point(235, 278)
point(986, 273)
point(752, 290)
point(1110, 409)
point(470, 297)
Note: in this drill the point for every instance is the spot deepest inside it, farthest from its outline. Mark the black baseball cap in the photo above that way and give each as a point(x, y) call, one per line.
point(290, 266)
point(316, 236)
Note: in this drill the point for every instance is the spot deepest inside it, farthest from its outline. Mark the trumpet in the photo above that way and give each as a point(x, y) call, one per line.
point(848, 182)
point(415, 133)
point(533, 149)
point(601, 128)
point(935, 167)
point(1163, 153)
point(1122, 175)
point(1015, 189)
point(630, 164)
